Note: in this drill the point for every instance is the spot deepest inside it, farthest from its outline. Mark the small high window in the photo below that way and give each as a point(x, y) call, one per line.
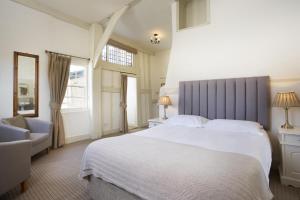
point(119, 54)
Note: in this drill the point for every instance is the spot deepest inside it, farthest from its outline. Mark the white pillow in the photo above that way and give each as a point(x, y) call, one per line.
point(187, 120)
point(233, 125)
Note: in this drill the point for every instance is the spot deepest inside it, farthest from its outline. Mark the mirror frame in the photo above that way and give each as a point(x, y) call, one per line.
point(36, 92)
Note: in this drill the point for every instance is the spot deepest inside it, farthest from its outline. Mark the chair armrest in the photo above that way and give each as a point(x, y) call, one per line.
point(39, 126)
point(11, 133)
point(17, 151)
point(15, 163)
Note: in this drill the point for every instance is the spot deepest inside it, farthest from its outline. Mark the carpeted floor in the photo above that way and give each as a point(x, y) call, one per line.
point(55, 177)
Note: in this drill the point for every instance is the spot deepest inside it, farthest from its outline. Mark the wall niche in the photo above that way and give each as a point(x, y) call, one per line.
point(191, 13)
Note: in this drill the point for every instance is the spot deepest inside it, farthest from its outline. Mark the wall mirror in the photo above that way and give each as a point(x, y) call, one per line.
point(26, 84)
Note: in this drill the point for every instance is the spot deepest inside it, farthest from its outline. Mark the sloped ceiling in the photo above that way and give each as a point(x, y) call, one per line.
point(89, 11)
point(146, 18)
point(138, 24)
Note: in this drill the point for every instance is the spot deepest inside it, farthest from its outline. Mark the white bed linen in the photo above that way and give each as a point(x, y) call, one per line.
point(254, 145)
point(171, 162)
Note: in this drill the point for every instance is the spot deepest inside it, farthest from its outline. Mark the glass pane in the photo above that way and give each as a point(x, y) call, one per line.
point(104, 54)
point(117, 56)
point(26, 85)
point(76, 94)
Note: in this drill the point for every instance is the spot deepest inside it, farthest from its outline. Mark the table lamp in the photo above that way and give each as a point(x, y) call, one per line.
point(286, 100)
point(165, 101)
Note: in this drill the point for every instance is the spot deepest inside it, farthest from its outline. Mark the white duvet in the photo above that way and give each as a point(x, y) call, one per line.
point(178, 162)
point(256, 145)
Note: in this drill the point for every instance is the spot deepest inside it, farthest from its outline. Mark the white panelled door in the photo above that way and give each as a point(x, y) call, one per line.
point(111, 83)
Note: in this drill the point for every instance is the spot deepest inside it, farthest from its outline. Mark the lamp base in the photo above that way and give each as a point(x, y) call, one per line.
point(165, 114)
point(287, 125)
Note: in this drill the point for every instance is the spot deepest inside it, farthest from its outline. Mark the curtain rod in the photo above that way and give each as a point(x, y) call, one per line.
point(126, 73)
point(113, 70)
point(67, 55)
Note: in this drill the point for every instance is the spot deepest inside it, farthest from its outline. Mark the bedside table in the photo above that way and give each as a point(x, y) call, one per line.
point(155, 122)
point(290, 152)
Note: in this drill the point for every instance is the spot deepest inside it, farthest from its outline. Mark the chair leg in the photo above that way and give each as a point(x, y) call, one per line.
point(23, 187)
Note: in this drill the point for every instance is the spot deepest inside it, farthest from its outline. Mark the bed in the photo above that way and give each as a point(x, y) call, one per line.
point(176, 161)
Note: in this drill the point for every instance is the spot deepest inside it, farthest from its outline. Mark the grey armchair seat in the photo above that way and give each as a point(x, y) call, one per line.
point(40, 134)
point(15, 159)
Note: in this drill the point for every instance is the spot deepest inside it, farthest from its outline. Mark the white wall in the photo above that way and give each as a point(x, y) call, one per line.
point(244, 38)
point(77, 125)
point(159, 67)
point(26, 30)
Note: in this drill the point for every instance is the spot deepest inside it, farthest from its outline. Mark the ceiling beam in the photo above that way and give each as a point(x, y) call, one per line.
point(107, 33)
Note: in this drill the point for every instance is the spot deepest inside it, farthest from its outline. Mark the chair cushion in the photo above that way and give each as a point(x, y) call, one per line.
point(18, 121)
point(38, 138)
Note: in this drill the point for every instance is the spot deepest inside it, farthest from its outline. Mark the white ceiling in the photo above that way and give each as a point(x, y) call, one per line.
point(146, 18)
point(89, 11)
point(141, 21)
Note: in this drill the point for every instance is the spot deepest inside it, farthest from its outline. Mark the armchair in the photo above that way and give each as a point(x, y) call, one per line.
point(15, 159)
point(11, 133)
point(39, 133)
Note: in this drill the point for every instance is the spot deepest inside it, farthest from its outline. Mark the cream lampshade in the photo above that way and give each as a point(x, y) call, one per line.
point(165, 101)
point(286, 100)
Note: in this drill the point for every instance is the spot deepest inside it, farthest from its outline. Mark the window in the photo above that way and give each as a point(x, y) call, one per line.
point(76, 94)
point(117, 53)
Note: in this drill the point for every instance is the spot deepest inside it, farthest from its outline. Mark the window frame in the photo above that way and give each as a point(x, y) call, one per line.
point(86, 93)
point(107, 56)
point(123, 47)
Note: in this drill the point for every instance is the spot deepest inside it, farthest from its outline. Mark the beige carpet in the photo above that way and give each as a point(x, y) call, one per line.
point(55, 177)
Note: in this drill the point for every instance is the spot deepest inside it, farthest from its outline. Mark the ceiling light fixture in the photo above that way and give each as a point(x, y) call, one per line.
point(155, 39)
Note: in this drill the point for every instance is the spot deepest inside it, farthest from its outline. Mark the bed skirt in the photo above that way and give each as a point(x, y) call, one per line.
point(99, 189)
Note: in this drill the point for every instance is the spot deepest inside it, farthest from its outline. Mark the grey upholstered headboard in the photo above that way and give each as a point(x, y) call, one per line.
point(239, 98)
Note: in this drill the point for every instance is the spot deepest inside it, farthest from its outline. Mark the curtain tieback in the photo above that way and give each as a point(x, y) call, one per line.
point(123, 105)
point(55, 106)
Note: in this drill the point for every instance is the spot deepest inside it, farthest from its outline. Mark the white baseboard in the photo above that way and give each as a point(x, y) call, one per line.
point(108, 132)
point(77, 138)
